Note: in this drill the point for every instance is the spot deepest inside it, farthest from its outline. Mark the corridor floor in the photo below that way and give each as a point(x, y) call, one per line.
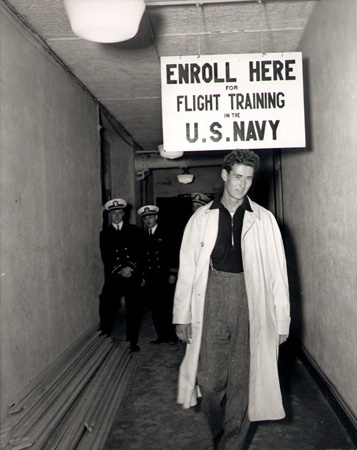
point(150, 419)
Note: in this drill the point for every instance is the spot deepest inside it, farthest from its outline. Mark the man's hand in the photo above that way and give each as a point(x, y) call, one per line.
point(184, 332)
point(126, 272)
point(282, 338)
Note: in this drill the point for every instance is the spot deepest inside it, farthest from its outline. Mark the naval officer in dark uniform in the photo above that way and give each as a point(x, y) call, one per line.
point(160, 273)
point(120, 245)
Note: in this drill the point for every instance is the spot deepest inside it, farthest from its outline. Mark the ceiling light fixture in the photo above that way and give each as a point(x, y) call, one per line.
point(168, 155)
point(185, 177)
point(105, 21)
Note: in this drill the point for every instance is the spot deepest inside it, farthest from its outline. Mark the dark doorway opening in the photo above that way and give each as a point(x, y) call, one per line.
point(174, 215)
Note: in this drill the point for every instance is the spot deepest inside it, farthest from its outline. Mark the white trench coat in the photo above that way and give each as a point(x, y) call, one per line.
point(268, 299)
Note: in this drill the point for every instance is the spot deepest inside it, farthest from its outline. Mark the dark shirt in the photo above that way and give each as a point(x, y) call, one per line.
point(227, 252)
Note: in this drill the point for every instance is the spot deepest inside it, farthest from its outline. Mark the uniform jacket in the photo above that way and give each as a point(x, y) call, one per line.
point(120, 249)
point(159, 257)
point(268, 299)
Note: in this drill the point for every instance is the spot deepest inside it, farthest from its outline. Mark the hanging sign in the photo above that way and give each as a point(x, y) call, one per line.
point(223, 102)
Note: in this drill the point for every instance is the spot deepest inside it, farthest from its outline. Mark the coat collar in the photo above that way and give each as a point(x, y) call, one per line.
point(249, 206)
point(250, 217)
point(252, 212)
point(217, 204)
point(254, 209)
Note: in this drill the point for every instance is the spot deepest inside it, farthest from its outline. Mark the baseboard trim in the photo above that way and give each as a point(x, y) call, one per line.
point(329, 391)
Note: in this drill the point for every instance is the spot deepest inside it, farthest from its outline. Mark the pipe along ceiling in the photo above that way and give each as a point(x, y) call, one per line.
point(146, 162)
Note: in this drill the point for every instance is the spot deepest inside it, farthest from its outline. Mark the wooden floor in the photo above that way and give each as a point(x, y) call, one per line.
point(150, 419)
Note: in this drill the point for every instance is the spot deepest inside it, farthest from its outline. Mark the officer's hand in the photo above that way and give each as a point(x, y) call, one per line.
point(126, 272)
point(184, 332)
point(172, 279)
point(282, 338)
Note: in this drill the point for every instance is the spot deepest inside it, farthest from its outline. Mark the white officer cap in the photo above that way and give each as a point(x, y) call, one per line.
point(115, 203)
point(147, 210)
point(199, 198)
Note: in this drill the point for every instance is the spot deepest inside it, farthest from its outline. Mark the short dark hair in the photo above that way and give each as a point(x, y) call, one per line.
point(244, 157)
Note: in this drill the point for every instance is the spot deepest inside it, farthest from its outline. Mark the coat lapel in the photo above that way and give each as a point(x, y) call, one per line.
point(249, 218)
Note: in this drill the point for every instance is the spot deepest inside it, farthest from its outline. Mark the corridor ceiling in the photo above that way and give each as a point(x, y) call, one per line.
point(125, 77)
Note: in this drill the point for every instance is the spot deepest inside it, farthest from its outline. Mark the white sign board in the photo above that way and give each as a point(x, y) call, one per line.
point(224, 102)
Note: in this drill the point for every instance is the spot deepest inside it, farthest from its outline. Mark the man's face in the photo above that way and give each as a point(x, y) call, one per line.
point(117, 216)
point(238, 181)
point(150, 220)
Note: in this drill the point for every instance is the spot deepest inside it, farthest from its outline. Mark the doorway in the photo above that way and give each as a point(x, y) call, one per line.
point(174, 215)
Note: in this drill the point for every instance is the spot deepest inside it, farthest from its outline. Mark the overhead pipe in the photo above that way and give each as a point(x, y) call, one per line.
point(147, 161)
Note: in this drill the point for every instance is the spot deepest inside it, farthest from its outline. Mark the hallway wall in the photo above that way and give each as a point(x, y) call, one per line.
point(320, 186)
point(51, 271)
point(120, 166)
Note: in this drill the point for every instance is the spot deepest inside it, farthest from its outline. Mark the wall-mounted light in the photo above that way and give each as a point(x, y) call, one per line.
point(168, 155)
point(185, 177)
point(105, 21)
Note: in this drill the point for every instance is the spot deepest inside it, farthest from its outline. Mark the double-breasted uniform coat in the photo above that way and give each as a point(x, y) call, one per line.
point(268, 300)
point(157, 253)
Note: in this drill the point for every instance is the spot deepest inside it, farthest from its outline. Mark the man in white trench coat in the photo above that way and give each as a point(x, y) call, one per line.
point(231, 307)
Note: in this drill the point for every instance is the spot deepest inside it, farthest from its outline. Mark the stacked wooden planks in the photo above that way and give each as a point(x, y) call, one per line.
point(73, 403)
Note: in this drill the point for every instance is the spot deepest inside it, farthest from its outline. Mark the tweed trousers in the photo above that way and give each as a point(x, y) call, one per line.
point(223, 369)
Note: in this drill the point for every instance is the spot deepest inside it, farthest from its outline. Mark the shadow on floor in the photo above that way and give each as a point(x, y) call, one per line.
point(150, 419)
